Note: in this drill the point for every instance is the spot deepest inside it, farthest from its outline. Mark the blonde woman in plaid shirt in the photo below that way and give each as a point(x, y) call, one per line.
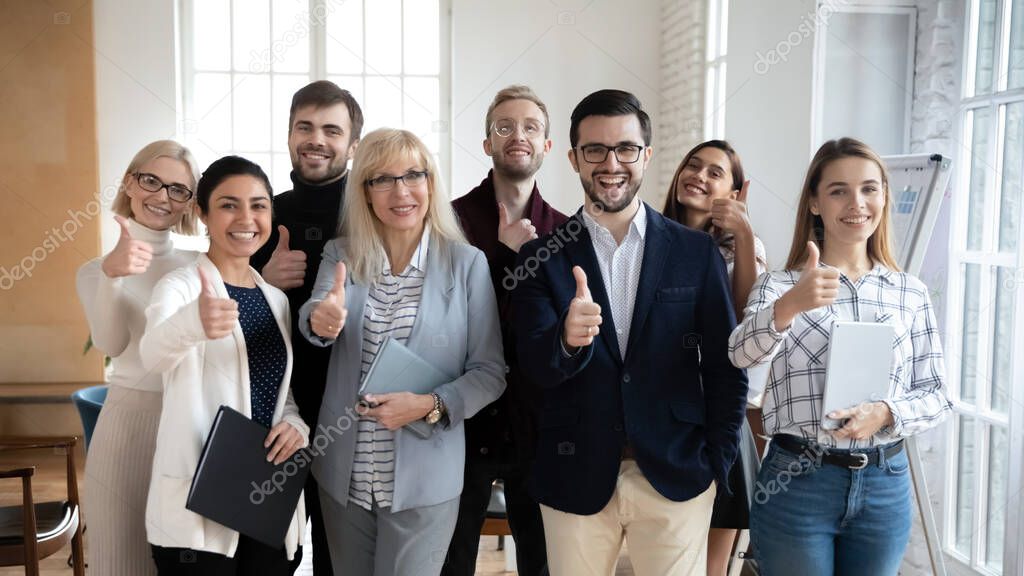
point(838, 502)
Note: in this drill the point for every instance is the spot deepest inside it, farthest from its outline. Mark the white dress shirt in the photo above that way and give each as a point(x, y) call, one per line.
point(620, 268)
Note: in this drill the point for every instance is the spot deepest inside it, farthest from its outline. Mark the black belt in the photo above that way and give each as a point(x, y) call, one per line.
point(837, 457)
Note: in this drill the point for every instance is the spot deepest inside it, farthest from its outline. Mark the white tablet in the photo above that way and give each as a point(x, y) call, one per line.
point(859, 361)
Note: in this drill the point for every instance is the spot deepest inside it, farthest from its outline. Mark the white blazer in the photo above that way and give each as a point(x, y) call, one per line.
point(200, 375)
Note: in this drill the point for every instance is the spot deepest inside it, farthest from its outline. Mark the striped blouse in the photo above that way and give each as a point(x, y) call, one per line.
point(793, 398)
point(391, 307)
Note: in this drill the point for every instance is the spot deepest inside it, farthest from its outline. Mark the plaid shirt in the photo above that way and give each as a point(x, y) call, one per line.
point(798, 355)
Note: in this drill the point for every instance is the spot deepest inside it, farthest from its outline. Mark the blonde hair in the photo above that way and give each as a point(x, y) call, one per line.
point(516, 92)
point(360, 224)
point(810, 228)
point(122, 203)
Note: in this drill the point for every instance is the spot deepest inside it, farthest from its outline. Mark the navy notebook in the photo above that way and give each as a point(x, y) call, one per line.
point(234, 485)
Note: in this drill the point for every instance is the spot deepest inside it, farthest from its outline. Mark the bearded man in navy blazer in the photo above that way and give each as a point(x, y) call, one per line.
point(622, 319)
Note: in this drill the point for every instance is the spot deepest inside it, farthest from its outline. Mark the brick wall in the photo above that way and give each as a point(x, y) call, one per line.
point(935, 113)
point(680, 124)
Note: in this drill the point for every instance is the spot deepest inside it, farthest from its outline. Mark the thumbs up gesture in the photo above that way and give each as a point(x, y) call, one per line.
point(286, 268)
point(129, 256)
point(817, 287)
point(328, 318)
point(583, 321)
point(514, 234)
point(218, 315)
point(730, 214)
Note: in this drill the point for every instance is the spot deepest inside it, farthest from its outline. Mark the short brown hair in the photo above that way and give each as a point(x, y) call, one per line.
point(324, 93)
point(516, 92)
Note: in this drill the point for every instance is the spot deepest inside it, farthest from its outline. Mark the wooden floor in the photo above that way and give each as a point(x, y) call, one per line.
point(49, 484)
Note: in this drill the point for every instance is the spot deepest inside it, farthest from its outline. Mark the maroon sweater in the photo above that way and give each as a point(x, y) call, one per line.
point(503, 430)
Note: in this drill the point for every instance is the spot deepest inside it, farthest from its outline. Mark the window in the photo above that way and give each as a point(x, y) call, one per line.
point(714, 82)
point(982, 507)
point(241, 61)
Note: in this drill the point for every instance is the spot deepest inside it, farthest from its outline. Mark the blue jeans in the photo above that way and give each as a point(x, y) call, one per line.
point(814, 519)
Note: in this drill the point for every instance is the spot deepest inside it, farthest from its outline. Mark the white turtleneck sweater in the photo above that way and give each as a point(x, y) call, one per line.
point(116, 307)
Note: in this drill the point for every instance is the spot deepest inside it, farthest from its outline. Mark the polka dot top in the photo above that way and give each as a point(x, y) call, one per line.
point(267, 354)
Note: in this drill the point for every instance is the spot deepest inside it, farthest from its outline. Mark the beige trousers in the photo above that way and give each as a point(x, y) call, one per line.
point(664, 538)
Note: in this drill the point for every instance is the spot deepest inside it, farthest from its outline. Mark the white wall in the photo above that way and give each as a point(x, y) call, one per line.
point(768, 113)
point(564, 51)
point(135, 87)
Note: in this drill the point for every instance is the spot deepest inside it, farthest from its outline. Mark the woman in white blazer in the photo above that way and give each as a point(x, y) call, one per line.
point(220, 336)
point(389, 496)
point(155, 198)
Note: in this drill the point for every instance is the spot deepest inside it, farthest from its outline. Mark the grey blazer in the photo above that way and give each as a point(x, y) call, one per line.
point(456, 330)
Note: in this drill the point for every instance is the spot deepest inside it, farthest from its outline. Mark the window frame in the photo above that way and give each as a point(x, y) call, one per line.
point(989, 258)
point(317, 39)
point(716, 43)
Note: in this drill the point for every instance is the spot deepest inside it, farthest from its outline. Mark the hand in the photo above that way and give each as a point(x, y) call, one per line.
point(129, 256)
point(283, 441)
point(817, 287)
point(514, 234)
point(583, 321)
point(863, 420)
point(218, 315)
point(399, 408)
point(328, 318)
point(730, 215)
point(286, 268)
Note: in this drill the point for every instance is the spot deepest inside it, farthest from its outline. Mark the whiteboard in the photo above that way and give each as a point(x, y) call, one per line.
point(917, 183)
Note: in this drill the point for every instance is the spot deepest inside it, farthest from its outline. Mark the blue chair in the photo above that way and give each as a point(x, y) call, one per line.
point(89, 401)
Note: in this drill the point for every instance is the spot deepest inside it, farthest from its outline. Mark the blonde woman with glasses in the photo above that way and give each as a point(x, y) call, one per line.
point(401, 266)
point(155, 198)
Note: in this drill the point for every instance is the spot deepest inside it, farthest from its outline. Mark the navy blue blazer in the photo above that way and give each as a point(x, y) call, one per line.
point(676, 398)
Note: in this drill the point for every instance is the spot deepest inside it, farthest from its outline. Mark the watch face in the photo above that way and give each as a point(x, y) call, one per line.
point(433, 416)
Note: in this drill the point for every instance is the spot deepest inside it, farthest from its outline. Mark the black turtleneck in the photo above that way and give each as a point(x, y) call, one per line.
point(311, 214)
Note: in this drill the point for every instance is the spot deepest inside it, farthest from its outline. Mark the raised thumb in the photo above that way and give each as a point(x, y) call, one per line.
point(283, 239)
point(339, 279)
point(502, 215)
point(123, 223)
point(742, 196)
point(813, 256)
point(207, 284)
point(582, 291)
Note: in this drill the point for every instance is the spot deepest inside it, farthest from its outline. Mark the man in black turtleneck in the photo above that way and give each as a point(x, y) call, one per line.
point(324, 125)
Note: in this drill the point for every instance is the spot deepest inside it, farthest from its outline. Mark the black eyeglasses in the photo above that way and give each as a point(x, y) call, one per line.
point(151, 183)
point(624, 153)
point(387, 183)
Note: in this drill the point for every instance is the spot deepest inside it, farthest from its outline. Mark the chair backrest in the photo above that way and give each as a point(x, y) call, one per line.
point(89, 402)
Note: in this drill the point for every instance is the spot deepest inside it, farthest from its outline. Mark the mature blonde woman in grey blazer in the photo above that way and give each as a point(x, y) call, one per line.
point(403, 269)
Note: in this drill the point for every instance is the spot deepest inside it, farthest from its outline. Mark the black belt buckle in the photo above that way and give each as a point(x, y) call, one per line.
point(863, 461)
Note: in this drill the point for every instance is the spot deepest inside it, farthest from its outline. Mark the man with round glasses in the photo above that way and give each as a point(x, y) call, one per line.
point(499, 216)
point(324, 125)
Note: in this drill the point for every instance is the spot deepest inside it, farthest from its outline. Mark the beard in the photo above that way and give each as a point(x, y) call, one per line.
point(517, 172)
point(336, 166)
point(592, 190)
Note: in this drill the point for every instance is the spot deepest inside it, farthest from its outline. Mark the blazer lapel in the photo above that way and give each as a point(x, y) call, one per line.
point(656, 250)
point(438, 285)
point(581, 253)
point(213, 274)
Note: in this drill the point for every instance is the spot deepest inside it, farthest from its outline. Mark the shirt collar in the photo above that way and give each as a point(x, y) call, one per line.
point(419, 257)
point(638, 224)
